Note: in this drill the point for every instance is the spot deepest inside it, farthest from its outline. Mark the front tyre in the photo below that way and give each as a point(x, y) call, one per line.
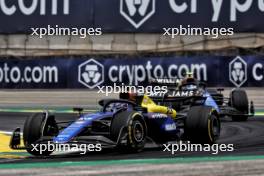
point(35, 127)
point(129, 129)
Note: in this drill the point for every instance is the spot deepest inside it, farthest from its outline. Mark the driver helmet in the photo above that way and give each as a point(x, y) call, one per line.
point(189, 82)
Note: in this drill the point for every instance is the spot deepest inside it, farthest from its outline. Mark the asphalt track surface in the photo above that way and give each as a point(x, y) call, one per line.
point(247, 137)
point(247, 159)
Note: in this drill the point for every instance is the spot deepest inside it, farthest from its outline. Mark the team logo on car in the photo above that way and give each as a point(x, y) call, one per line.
point(137, 12)
point(170, 127)
point(158, 116)
point(238, 71)
point(91, 73)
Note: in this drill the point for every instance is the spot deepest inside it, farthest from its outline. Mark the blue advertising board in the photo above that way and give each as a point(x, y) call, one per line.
point(89, 73)
point(131, 15)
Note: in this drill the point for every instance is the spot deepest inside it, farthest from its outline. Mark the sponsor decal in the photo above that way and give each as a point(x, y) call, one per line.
point(181, 93)
point(158, 116)
point(176, 93)
point(43, 7)
point(258, 71)
point(238, 71)
point(15, 74)
point(144, 16)
point(166, 81)
point(137, 12)
point(170, 127)
point(111, 74)
point(150, 70)
point(91, 74)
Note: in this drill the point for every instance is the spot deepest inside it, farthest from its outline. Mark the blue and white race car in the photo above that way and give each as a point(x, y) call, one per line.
point(236, 106)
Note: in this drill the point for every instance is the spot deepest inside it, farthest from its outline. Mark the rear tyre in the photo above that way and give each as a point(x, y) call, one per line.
point(129, 130)
point(202, 125)
point(239, 101)
point(36, 127)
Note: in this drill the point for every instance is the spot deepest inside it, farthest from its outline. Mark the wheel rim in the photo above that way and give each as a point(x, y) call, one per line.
point(138, 131)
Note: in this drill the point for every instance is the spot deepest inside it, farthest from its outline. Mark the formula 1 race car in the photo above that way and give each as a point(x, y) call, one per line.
point(236, 106)
point(122, 124)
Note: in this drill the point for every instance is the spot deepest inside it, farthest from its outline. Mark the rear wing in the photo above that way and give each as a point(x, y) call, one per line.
point(194, 99)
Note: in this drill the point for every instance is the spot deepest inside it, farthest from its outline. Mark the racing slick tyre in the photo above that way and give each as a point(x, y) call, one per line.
point(202, 125)
point(129, 129)
point(239, 101)
point(36, 127)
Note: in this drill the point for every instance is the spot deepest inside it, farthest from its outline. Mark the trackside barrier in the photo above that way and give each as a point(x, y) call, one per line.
point(132, 16)
point(89, 73)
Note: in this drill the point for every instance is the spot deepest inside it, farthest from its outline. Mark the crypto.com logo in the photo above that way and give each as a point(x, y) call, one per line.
point(91, 73)
point(137, 12)
point(238, 71)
